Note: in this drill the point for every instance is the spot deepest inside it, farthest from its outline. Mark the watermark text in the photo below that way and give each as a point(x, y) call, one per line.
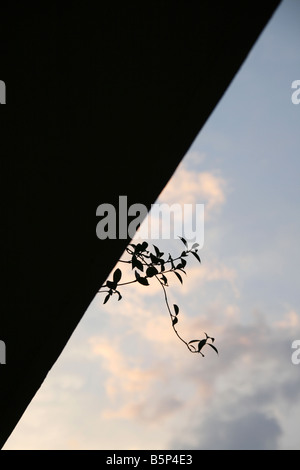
point(296, 94)
point(2, 92)
point(296, 354)
point(164, 221)
point(2, 352)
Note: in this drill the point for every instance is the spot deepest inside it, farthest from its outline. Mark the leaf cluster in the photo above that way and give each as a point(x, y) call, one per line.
point(150, 263)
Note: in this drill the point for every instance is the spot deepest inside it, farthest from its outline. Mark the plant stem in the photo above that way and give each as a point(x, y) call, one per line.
point(168, 307)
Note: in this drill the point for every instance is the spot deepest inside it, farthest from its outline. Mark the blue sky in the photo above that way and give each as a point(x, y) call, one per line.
point(124, 381)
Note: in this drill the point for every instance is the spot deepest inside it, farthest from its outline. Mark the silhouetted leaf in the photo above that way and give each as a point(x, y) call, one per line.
point(139, 265)
point(154, 259)
point(176, 309)
point(117, 275)
point(183, 262)
point(171, 261)
point(106, 298)
point(183, 254)
point(212, 346)
point(179, 277)
point(156, 250)
point(111, 285)
point(140, 279)
point(138, 248)
point(179, 266)
point(136, 263)
point(143, 281)
point(120, 297)
point(144, 246)
point(193, 341)
point(151, 271)
point(195, 245)
point(183, 241)
point(201, 344)
point(196, 256)
point(174, 320)
point(164, 279)
point(159, 254)
point(162, 266)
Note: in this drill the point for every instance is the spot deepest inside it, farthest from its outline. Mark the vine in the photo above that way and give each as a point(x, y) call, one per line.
point(149, 264)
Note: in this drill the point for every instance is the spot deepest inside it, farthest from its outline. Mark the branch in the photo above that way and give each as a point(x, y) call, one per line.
point(139, 259)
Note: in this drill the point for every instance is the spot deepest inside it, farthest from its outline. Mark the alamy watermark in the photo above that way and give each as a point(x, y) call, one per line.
point(296, 354)
point(2, 352)
point(164, 221)
point(2, 92)
point(296, 94)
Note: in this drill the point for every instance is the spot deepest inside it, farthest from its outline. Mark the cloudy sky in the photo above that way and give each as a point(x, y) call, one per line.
point(124, 380)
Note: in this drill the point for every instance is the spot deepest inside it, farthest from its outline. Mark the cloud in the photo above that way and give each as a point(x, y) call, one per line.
point(190, 187)
point(194, 158)
point(210, 272)
point(290, 320)
point(239, 399)
point(250, 431)
point(146, 383)
point(146, 411)
point(179, 211)
point(123, 377)
point(253, 391)
point(205, 402)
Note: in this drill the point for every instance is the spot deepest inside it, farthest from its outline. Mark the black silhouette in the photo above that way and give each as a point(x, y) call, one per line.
point(153, 265)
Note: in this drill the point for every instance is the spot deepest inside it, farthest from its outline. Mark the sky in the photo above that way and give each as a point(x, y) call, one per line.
point(124, 380)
